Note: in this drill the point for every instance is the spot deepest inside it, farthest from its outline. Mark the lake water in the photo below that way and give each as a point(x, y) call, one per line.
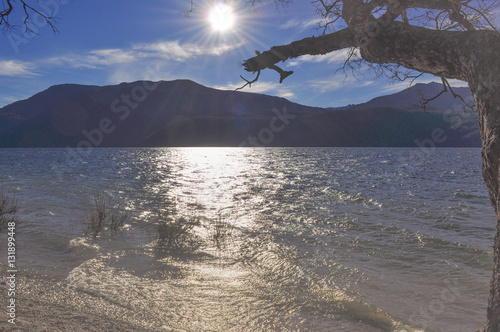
point(321, 239)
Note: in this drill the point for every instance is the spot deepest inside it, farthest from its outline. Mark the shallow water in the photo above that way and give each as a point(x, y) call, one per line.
point(320, 239)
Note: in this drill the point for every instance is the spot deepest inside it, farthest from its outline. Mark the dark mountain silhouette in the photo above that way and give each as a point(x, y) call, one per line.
point(410, 99)
point(184, 113)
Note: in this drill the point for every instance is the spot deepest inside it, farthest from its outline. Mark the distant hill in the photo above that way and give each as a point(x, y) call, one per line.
point(184, 113)
point(409, 99)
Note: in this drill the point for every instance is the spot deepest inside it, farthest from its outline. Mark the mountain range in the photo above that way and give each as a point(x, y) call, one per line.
point(184, 113)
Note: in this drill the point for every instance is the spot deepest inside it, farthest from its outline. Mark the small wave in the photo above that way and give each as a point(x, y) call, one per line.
point(277, 269)
point(376, 317)
point(82, 243)
point(468, 196)
point(346, 196)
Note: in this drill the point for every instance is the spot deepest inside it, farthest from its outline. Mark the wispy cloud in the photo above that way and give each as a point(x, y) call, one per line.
point(399, 86)
point(169, 50)
point(326, 86)
point(110, 56)
point(261, 87)
point(164, 50)
point(301, 24)
point(457, 83)
point(91, 60)
point(14, 68)
point(332, 57)
point(154, 71)
point(336, 83)
point(174, 50)
point(5, 100)
point(271, 87)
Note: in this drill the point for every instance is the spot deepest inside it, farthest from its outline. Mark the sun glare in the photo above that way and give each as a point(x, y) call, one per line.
point(221, 17)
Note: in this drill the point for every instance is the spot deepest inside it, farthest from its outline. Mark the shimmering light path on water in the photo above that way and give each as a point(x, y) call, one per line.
point(359, 239)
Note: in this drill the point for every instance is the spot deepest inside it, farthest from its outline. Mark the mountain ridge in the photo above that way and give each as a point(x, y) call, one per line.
point(411, 98)
point(185, 113)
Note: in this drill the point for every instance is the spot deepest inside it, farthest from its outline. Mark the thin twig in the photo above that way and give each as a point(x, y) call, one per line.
point(248, 83)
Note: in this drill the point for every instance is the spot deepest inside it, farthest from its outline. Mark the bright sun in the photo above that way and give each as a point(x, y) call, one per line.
point(221, 17)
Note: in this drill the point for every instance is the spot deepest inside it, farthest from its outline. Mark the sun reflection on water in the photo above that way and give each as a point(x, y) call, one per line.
point(208, 177)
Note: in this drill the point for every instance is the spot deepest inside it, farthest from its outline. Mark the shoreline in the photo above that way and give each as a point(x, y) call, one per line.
point(45, 305)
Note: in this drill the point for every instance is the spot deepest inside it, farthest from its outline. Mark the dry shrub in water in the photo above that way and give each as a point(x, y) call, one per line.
point(222, 231)
point(105, 216)
point(8, 209)
point(117, 219)
point(176, 234)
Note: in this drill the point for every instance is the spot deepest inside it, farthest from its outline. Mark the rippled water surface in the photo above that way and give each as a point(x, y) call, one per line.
point(315, 239)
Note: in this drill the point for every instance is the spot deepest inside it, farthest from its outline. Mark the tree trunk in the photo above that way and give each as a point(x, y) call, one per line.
point(485, 85)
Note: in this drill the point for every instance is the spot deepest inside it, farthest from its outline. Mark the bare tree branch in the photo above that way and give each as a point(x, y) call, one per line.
point(360, 18)
point(311, 45)
point(28, 10)
point(483, 15)
point(446, 88)
point(248, 83)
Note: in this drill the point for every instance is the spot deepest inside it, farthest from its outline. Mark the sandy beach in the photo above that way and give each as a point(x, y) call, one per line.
point(44, 305)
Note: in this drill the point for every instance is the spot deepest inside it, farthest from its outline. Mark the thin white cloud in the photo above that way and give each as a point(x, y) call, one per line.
point(169, 50)
point(219, 50)
point(5, 100)
point(14, 68)
point(399, 86)
point(93, 59)
point(458, 83)
point(257, 87)
point(285, 94)
point(326, 86)
point(110, 56)
point(396, 87)
point(302, 24)
point(229, 86)
point(152, 72)
point(260, 87)
point(180, 52)
point(337, 82)
point(164, 50)
point(121, 74)
point(332, 57)
point(174, 50)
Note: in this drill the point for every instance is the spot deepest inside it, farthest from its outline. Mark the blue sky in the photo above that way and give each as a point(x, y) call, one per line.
point(113, 41)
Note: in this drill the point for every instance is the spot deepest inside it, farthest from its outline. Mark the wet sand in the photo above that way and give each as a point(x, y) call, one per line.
point(45, 305)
